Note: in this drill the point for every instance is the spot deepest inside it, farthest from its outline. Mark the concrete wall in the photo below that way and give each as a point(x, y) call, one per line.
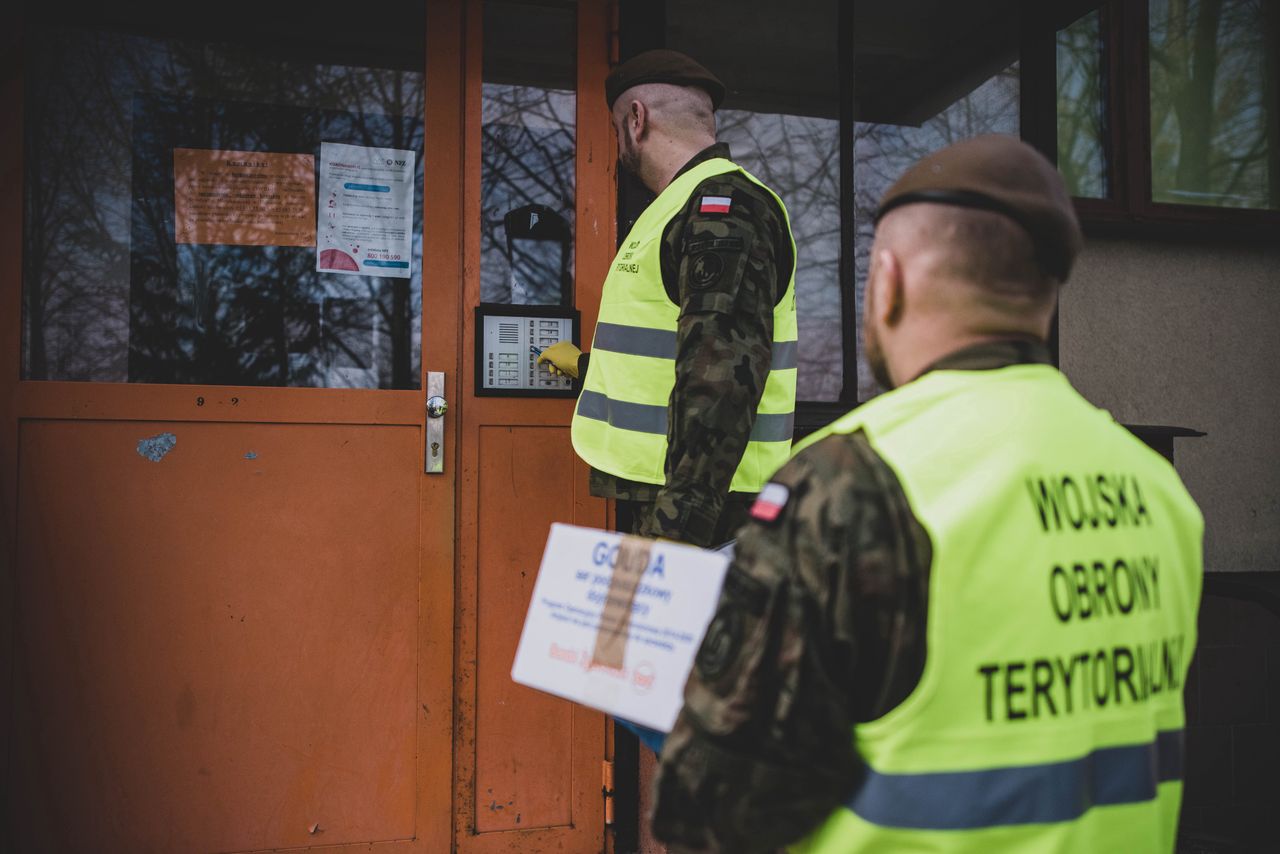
point(1189, 335)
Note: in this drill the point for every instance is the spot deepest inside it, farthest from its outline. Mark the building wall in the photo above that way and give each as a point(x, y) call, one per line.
point(1185, 334)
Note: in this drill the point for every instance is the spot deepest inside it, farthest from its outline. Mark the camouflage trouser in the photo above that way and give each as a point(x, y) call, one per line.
point(733, 515)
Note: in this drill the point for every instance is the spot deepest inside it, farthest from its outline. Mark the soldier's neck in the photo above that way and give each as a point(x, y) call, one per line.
point(667, 158)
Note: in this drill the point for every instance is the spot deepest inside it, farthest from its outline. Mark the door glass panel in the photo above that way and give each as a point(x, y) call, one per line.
point(238, 206)
point(1213, 101)
point(528, 133)
point(1082, 108)
point(798, 157)
point(882, 152)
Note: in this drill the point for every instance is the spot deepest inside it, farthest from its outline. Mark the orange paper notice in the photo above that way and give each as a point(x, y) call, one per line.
point(244, 198)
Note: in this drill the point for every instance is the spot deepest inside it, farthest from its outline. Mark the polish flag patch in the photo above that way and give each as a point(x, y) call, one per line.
point(769, 502)
point(715, 204)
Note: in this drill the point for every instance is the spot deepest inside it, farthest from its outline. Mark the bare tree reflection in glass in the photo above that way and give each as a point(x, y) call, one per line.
point(526, 160)
point(1082, 147)
point(798, 157)
point(1213, 99)
point(76, 234)
point(882, 152)
point(110, 295)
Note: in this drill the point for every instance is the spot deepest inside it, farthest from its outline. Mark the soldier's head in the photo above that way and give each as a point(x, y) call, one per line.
point(972, 244)
point(663, 106)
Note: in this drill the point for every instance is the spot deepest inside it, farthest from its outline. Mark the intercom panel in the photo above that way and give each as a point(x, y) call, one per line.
point(509, 339)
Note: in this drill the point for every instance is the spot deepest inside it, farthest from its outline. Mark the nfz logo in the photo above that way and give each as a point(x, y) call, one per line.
point(391, 162)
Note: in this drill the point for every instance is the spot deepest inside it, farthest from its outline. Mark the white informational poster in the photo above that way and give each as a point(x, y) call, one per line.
point(364, 213)
point(615, 622)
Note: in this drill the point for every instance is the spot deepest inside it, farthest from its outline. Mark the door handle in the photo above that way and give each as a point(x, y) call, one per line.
point(437, 406)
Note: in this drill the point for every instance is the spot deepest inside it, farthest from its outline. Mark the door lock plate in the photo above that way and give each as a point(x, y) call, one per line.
point(437, 406)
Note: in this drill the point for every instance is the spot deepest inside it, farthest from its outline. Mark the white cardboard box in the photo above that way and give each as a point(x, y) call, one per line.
point(624, 644)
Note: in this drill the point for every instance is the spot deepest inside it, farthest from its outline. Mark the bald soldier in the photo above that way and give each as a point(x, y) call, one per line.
point(688, 396)
point(960, 617)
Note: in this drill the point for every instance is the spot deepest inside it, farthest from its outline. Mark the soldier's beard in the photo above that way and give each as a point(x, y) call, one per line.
point(875, 356)
point(629, 156)
point(871, 344)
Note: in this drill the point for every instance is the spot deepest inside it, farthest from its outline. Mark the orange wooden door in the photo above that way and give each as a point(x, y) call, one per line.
point(228, 610)
point(528, 765)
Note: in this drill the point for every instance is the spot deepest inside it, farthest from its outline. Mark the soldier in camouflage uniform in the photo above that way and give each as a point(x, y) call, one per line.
point(822, 621)
point(726, 269)
point(797, 652)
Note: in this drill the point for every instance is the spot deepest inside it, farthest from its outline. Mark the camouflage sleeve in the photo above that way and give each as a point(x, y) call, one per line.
point(819, 626)
point(726, 270)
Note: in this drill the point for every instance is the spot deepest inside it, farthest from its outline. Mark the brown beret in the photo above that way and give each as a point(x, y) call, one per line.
point(1001, 174)
point(662, 66)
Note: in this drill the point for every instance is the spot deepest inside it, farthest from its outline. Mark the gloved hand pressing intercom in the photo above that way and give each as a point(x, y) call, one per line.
point(561, 359)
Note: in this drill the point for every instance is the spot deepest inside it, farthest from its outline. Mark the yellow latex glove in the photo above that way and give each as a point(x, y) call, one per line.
point(561, 359)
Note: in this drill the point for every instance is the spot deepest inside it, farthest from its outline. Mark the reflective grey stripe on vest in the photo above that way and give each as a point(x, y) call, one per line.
point(635, 340)
point(640, 417)
point(1025, 794)
point(644, 418)
point(661, 344)
point(771, 427)
point(784, 355)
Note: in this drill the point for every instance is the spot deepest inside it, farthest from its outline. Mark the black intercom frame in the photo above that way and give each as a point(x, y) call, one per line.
point(494, 309)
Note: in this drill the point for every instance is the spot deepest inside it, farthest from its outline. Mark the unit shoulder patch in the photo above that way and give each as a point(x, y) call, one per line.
point(720, 644)
point(705, 269)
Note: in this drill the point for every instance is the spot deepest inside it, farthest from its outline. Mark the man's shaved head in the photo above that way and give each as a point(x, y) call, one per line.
point(679, 110)
point(660, 123)
point(941, 273)
point(986, 251)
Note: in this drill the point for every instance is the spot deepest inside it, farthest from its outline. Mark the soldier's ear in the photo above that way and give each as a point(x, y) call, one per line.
point(638, 118)
point(887, 287)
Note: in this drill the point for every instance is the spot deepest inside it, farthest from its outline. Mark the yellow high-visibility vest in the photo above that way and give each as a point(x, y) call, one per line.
point(1061, 621)
point(620, 423)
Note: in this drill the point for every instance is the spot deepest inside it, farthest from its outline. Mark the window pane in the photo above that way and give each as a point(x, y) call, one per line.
point(528, 135)
point(1082, 153)
point(1213, 101)
point(779, 118)
point(882, 152)
point(171, 210)
point(798, 157)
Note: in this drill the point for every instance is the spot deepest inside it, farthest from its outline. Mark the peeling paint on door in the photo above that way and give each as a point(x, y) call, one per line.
point(156, 447)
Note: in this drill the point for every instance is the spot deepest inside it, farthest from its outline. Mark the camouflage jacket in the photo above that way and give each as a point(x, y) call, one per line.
point(820, 626)
point(724, 340)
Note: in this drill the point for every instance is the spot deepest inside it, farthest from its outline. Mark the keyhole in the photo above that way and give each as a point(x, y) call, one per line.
point(435, 449)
